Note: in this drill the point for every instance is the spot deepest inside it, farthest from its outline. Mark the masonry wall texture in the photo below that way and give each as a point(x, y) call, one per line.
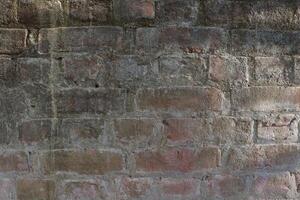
point(149, 99)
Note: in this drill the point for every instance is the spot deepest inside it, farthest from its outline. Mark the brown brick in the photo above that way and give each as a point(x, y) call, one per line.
point(181, 159)
point(274, 186)
point(12, 41)
point(280, 128)
point(195, 99)
point(80, 190)
point(36, 13)
point(184, 187)
point(28, 189)
point(35, 131)
point(80, 39)
point(82, 162)
point(7, 15)
point(134, 187)
point(266, 99)
point(262, 156)
point(13, 161)
point(134, 130)
point(132, 10)
point(95, 11)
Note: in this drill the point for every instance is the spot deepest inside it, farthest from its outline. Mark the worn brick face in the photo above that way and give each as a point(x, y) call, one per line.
point(149, 99)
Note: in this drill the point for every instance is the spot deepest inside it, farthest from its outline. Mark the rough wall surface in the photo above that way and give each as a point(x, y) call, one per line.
point(149, 99)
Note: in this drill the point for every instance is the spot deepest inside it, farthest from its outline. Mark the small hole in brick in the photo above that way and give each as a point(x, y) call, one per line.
point(96, 85)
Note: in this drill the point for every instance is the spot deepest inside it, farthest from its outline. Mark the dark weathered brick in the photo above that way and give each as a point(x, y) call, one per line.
point(12, 41)
point(80, 39)
point(35, 131)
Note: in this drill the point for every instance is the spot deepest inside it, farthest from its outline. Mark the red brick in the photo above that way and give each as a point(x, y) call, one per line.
point(82, 162)
point(179, 187)
point(196, 99)
point(262, 156)
point(35, 131)
point(28, 189)
point(130, 130)
point(186, 130)
point(80, 39)
point(267, 99)
point(12, 41)
point(14, 161)
point(191, 40)
point(182, 159)
point(280, 128)
point(274, 186)
point(80, 190)
point(7, 189)
point(131, 10)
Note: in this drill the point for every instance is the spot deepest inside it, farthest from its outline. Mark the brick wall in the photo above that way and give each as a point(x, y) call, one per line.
point(149, 99)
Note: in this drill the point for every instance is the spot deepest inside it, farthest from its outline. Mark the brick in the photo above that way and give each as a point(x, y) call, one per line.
point(33, 70)
point(218, 130)
point(95, 72)
point(280, 128)
point(95, 11)
point(226, 186)
point(135, 187)
point(14, 161)
point(35, 13)
point(275, 185)
point(35, 131)
point(272, 70)
point(296, 72)
point(215, 12)
point(195, 99)
point(181, 160)
point(243, 42)
point(7, 72)
point(262, 157)
point(279, 15)
point(183, 70)
point(184, 188)
point(7, 189)
point(232, 130)
point(172, 38)
point(28, 189)
point(228, 69)
point(130, 130)
point(12, 104)
point(80, 39)
point(77, 101)
point(89, 162)
point(266, 99)
point(12, 41)
point(7, 15)
point(171, 12)
point(130, 11)
point(186, 130)
point(81, 190)
point(38, 100)
point(78, 130)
